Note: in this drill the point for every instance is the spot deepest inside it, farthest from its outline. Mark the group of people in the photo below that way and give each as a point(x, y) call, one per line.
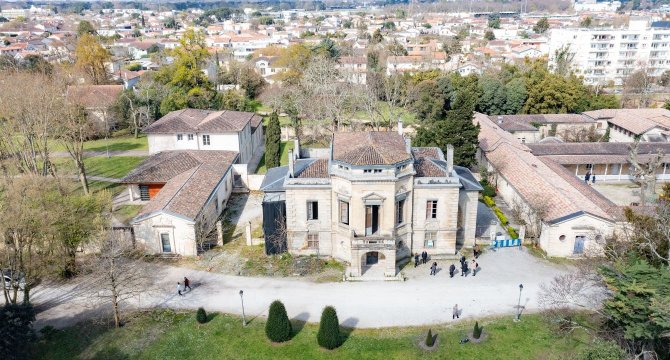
point(182, 288)
point(465, 268)
point(591, 177)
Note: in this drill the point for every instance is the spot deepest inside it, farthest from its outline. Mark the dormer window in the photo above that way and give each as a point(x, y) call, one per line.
point(377, 171)
point(367, 171)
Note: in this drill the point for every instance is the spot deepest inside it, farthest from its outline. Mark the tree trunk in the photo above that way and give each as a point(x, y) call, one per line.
point(82, 173)
point(26, 294)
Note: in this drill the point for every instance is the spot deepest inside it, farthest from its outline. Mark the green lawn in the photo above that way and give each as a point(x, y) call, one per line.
point(125, 213)
point(113, 167)
point(122, 143)
point(162, 334)
point(285, 147)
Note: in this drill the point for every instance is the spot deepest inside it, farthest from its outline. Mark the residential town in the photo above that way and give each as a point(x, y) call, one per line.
point(294, 179)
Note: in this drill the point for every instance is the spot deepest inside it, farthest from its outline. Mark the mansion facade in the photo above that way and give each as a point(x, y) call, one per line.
point(370, 200)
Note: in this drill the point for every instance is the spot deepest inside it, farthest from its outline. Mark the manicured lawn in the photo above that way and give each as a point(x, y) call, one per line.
point(115, 144)
point(113, 167)
point(407, 117)
point(162, 334)
point(285, 147)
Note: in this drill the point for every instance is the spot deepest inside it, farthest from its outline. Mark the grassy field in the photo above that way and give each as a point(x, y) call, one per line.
point(113, 167)
point(163, 334)
point(122, 143)
point(125, 213)
point(285, 147)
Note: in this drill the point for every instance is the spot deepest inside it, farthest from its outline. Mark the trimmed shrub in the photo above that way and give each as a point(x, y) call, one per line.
point(488, 201)
point(329, 329)
point(430, 340)
point(201, 316)
point(512, 233)
point(278, 328)
point(501, 216)
point(477, 331)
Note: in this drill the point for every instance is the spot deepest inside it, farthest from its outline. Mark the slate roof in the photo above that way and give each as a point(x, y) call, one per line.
point(94, 96)
point(542, 183)
point(190, 177)
point(369, 148)
point(196, 120)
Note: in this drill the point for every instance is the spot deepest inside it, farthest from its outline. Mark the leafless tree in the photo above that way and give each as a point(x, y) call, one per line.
point(531, 217)
point(74, 130)
point(638, 84)
point(579, 134)
point(649, 232)
point(118, 273)
point(278, 239)
point(644, 174)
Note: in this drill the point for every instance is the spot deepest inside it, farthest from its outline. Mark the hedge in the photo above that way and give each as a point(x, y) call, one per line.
point(512, 232)
point(489, 202)
point(501, 216)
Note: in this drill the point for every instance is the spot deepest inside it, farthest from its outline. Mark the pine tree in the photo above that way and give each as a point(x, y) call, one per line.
point(329, 329)
point(477, 331)
point(430, 340)
point(201, 316)
point(273, 142)
point(278, 328)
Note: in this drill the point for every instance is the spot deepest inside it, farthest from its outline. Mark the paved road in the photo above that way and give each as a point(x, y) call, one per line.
point(421, 300)
point(63, 154)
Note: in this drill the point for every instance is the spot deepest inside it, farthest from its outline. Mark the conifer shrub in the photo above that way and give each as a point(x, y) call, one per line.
point(278, 327)
point(201, 316)
point(477, 331)
point(329, 329)
point(430, 340)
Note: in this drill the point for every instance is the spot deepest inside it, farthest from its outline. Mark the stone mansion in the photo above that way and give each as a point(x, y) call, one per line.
point(371, 200)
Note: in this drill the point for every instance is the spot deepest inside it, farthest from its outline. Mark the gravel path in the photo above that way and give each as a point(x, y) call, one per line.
point(421, 300)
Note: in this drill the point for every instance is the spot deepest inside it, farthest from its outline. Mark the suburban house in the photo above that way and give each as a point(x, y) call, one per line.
point(371, 200)
point(194, 129)
point(266, 66)
point(97, 100)
point(628, 125)
point(353, 68)
point(567, 216)
point(183, 192)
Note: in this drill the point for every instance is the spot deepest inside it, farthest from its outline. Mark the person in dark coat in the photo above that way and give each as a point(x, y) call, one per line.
point(474, 267)
point(462, 259)
point(587, 177)
point(187, 284)
point(433, 268)
point(593, 179)
point(416, 259)
point(424, 256)
point(452, 270)
point(465, 269)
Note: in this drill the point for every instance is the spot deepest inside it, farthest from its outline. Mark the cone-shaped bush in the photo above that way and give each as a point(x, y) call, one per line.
point(430, 340)
point(477, 331)
point(201, 316)
point(329, 329)
point(278, 327)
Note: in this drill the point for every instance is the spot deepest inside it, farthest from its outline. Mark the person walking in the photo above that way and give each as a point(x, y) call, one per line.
point(424, 257)
point(587, 177)
point(455, 312)
point(477, 251)
point(474, 267)
point(433, 268)
point(179, 289)
point(187, 284)
point(462, 269)
point(465, 269)
point(593, 179)
point(416, 259)
point(452, 270)
point(462, 259)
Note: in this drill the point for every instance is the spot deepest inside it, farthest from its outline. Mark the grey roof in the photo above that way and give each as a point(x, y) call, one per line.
point(467, 179)
point(274, 179)
point(196, 120)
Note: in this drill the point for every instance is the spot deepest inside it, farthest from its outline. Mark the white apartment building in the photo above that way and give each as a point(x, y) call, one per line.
point(602, 55)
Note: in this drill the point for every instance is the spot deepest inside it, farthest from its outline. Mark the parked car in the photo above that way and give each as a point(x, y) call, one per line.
point(17, 278)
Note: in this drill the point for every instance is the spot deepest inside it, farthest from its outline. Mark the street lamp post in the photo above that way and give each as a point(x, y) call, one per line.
point(244, 319)
point(518, 307)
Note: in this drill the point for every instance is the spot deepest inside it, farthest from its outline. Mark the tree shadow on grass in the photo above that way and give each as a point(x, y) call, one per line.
point(110, 353)
point(211, 316)
point(298, 323)
point(347, 328)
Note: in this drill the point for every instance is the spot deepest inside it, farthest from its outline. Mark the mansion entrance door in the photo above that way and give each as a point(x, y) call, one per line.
point(372, 258)
point(371, 219)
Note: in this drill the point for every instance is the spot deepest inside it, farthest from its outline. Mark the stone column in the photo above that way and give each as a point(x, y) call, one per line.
point(247, 232)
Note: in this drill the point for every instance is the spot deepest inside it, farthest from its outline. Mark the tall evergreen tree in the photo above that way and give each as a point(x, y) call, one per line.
point(329, 329)
point(278, 327)
point(273, 142)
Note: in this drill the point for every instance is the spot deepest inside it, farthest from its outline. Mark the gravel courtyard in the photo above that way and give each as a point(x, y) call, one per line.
point(422, 299)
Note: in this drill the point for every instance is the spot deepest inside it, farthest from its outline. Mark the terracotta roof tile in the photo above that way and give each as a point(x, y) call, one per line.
point(369, 148)
point(317, 169)
point(196, 120)
point(94, 96)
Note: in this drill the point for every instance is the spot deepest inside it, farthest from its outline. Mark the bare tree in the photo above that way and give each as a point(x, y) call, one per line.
point(118, 273)
point(644, 174)
point(74, 130)
point(531, 217)
point(638, 84)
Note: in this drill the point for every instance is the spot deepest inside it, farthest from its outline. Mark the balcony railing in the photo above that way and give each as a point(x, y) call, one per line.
point(372, 244)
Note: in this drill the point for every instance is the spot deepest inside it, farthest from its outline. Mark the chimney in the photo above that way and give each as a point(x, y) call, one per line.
point(500, 118)
point(291, 165)
point(400, 131)
point(408, 145)
point(450, 158)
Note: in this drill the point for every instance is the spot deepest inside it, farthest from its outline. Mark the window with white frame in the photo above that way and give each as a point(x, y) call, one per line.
point(429, 240)
point(180, 137)
point(400, 211)
point(344, 212)
point(205, 140)
point(431, 209)
point(189, 137)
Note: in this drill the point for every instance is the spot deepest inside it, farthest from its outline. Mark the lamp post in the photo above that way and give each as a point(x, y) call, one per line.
point(244, 319)
point(518, 307)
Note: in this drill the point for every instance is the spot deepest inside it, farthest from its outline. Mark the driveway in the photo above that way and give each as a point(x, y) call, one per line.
point(421, 300)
